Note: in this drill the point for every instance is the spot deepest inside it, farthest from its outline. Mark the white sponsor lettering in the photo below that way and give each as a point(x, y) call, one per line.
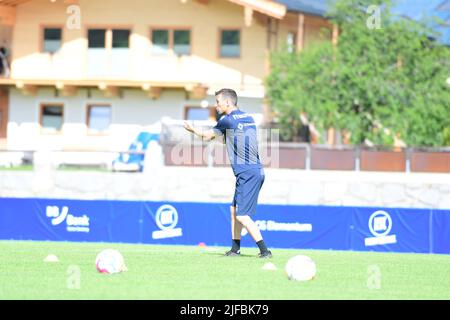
point(283, 226)
point(166, 219)
point(73, 223)
point(240, 116)
point(380, 224)
point(270, 225)
point(380, 240)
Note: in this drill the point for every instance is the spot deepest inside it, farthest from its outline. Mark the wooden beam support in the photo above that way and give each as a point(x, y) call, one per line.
point(65, 90)
point(27, 89)
point(267, 7)
point(248, 16)
point(109, 91)
point(335, 35)
point(152, 92)
point(300, 33)
point(196, 91)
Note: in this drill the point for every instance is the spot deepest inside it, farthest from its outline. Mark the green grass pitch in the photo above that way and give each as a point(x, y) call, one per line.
point(191, 272)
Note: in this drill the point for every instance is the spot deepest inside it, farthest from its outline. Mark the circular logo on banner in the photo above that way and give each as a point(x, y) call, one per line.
point(166, 217)
point(380, 223)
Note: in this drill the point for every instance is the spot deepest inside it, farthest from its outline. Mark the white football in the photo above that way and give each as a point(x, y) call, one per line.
point(110, 261)
point(300, 268)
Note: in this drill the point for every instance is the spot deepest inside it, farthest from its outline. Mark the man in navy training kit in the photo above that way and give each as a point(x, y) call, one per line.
point(238, 130)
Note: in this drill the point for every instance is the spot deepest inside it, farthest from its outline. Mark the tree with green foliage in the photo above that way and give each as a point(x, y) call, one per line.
point(376, 83)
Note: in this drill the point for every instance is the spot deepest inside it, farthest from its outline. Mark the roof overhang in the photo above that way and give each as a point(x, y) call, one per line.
point(269, 8)
point(15, 3)
point(153, 89)
point(12, 3)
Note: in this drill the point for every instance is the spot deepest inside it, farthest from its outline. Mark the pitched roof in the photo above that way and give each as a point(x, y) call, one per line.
point(314, 7)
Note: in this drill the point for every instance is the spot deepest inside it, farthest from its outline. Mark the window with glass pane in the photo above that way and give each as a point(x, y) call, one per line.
point(182, 42)
point(197, 114)
point(99, 117)
point(290, 41)
point(230, 43)
point(160, 40)
point(96, 38)
point(52, 39)
point(120, 38)
point(52, 118)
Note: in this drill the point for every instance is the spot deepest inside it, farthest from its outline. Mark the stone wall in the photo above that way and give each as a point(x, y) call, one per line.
point(282, 186)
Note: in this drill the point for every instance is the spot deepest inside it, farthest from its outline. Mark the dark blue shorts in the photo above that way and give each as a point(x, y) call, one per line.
point(248, 185)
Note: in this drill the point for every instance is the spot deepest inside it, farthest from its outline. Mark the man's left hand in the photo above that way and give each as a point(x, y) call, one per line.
point(188, 127)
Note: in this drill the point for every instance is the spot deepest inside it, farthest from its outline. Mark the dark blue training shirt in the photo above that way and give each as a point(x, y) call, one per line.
point(239, 130)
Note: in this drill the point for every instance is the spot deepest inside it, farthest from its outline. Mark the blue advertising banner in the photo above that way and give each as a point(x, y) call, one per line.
point(309, 227)
point(391, 229)
point(184, 223)
point(440, 227)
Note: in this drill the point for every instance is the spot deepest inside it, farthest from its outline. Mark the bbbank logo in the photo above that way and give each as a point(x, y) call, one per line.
point(73, 223)
point(269, 225)
point(380, 224)
point(166, 219)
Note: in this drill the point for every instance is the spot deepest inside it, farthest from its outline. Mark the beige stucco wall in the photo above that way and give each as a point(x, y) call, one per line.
point(134, 109)
point(203, 65)
point(131, 112)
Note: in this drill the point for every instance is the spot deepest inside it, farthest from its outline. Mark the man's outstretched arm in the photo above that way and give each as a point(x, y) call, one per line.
point(206, 135)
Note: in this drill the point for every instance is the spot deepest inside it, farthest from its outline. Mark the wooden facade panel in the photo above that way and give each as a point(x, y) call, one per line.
point(323, 159)
point(382, 161)
point(430, 162)
point(290, 158)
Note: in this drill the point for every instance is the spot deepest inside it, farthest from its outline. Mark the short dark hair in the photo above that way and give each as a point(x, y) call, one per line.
point(228, 94)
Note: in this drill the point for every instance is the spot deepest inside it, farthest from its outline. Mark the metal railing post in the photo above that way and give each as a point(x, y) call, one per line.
point(308, 157)
point(357, 158)
point(408, 160)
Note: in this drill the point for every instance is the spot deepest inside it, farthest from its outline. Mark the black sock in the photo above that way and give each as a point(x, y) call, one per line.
point(262, 246)
point(236, 245)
